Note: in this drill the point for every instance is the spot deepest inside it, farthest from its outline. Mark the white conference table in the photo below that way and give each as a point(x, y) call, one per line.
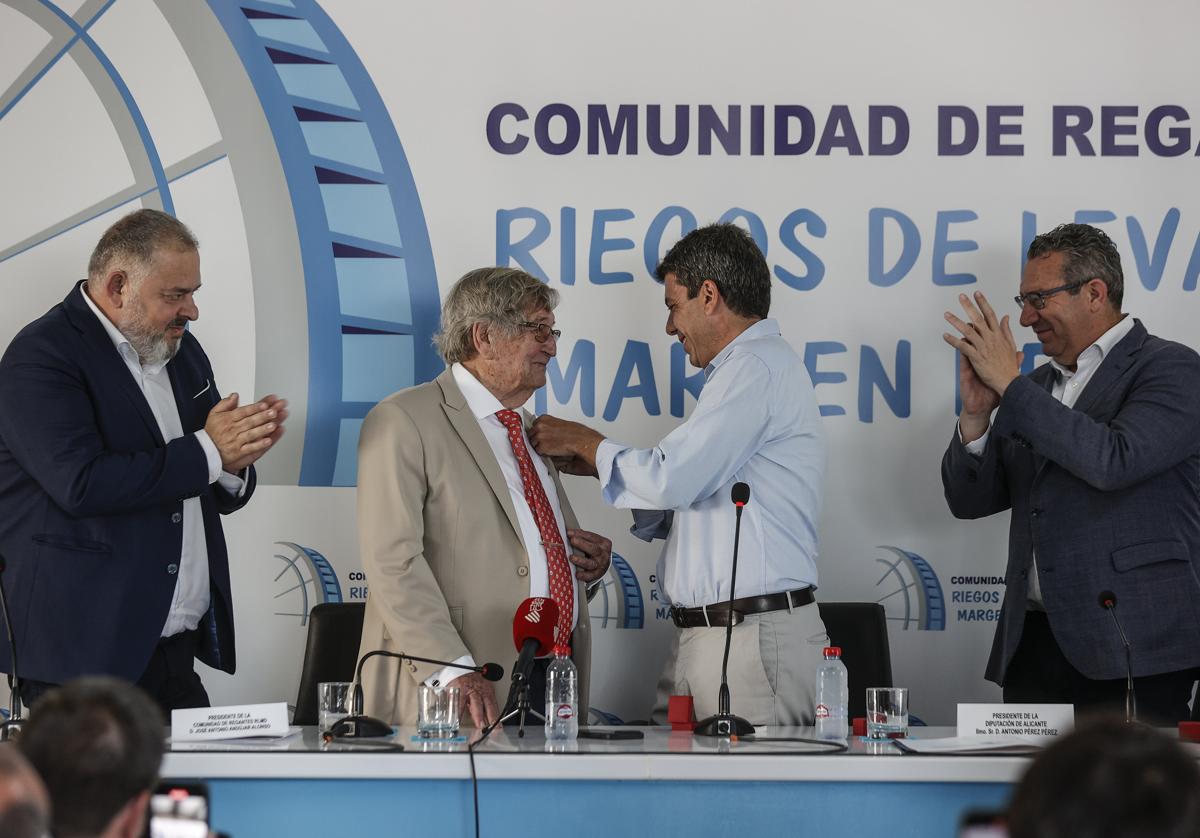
point(667, 783)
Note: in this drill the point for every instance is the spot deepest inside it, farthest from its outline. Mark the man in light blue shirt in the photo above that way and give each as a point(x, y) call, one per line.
point(756, 422)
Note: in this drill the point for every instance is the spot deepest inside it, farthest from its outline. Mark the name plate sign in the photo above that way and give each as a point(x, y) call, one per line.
point(1015, 721)
point(240, 721)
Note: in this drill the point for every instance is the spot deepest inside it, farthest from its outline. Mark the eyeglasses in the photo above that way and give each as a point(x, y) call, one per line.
point(541, 331)
point(1037, 299)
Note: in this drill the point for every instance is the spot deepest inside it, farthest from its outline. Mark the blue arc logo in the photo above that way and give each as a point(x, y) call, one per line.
point(619, 602)
point(369, 285)
point(306, 579)
point(913, 593)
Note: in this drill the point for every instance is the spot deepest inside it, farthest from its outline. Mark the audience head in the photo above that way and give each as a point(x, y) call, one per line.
point(98, 745)
point(24, 805)
point(1109, 779)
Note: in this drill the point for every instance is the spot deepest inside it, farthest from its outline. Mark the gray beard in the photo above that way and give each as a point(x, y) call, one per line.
point(151, 347)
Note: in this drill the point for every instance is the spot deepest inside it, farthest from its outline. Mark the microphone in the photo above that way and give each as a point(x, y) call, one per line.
point(11, 728)
point(360, 726)
point(1108, 601)
point(533, 635)
point(725, 723)
point(740, 494)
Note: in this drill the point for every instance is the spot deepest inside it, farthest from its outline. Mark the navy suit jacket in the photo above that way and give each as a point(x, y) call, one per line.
point(1108, 493)
point(91, 502)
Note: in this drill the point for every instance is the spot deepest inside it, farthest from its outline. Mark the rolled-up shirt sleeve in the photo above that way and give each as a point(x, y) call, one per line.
point(649, 524)
point(728, 426)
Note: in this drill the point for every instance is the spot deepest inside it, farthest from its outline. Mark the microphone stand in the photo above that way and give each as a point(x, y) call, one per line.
point(10, 730)
point(725, 723)
point(1108, 601)
point(518, 705)
point(360, 726)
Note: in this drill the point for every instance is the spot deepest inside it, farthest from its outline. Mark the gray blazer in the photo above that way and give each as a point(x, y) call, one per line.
point(1108, 493)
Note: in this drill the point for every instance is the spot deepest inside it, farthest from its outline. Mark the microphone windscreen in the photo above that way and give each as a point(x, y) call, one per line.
point(492, 671)
point(535, 619)
point(740, 494)
point(1108, 599)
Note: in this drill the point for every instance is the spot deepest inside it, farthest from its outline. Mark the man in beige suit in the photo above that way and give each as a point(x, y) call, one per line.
point(452, 536)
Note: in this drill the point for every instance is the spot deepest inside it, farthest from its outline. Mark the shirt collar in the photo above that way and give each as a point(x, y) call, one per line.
point(765, 328)
point(480, 399)
point(123, 346)
point(1103, 345)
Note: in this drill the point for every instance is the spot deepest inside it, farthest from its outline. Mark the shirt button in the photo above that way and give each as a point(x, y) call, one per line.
point(172, 569)
point(176, 517)
point(522, 571)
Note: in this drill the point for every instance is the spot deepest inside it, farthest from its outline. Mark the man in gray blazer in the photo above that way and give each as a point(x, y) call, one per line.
point(458, 521)
point(1097, 454)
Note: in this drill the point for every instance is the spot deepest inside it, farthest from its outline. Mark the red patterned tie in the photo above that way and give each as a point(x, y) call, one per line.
point(562, 587)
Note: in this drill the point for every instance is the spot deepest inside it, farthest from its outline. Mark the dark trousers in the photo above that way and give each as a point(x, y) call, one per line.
point(1040, 673)
point(170, 677)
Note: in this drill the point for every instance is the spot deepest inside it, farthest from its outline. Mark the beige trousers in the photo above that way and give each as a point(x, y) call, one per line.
point(773, 661)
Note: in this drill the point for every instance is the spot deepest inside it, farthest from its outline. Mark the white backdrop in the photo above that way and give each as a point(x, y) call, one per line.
point(866, 248)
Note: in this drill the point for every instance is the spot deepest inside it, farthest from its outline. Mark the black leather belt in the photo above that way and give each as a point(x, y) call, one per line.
point(720, 614)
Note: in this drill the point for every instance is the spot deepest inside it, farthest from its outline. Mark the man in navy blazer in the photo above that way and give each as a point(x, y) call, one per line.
point(1097, 454)
point(117, 455)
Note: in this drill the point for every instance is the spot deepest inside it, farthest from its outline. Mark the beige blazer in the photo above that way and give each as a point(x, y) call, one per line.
point(441, 548)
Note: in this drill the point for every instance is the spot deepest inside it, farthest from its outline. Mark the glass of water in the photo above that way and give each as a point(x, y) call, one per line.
point(333, 702)
point(438, 712)
point(887, 712)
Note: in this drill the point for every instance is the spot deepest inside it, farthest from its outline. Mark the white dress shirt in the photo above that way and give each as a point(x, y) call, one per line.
point(756, 421)
point(191, 598)
point(1068, 385)
point(484, 406)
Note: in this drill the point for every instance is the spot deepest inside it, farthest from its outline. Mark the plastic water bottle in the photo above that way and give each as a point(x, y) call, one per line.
point(833, 695)
point(562, 697)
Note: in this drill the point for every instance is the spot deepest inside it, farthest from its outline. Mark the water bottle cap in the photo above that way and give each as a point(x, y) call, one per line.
point(562, 650)
point(833, 652)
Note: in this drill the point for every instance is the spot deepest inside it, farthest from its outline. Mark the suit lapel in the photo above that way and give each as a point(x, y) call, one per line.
point(1114, 366)
point(467, 427)
point(108, 360)
point(190, 388)
point(1044, 377)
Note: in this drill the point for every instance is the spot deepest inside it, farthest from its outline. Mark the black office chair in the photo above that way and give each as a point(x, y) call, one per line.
point(860, 628)
point(331, 653)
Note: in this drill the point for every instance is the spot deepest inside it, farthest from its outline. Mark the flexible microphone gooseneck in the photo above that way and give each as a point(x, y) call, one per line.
point(1108, 601)
point(725, 723)
point(11, 728)
point(359, 726)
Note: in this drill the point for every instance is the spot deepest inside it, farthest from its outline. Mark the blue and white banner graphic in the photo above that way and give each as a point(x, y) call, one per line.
point(343, 162)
